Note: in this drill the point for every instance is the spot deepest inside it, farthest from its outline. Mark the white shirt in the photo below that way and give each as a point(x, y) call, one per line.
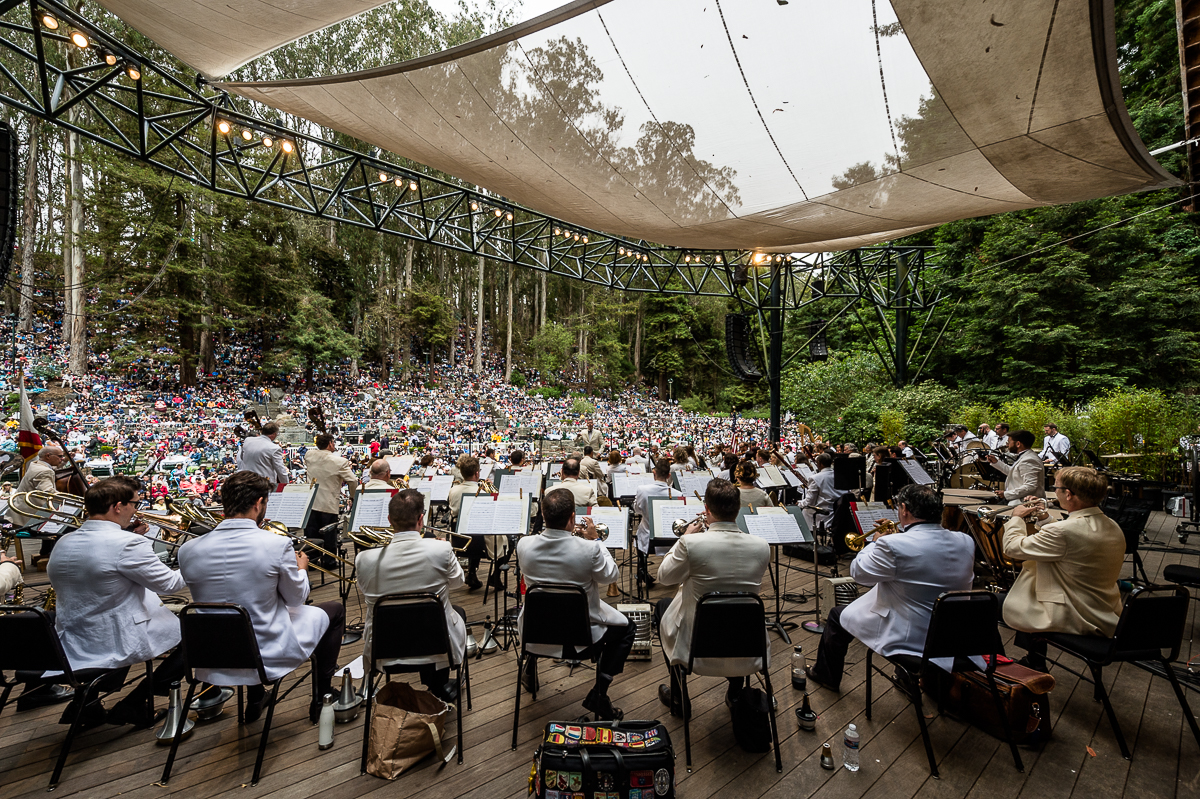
point(641, 506)
point(1055, 447)
point(990, 439)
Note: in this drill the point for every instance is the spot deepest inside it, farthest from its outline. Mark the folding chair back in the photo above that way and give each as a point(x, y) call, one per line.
point(1151, 623)
point(30, 642)
point(409, 626)
point(964, 624)
point(219, 636)
point(556, 615)
point(728, 625)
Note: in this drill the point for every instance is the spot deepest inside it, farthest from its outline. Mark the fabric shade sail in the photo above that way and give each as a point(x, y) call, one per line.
point(748, 125)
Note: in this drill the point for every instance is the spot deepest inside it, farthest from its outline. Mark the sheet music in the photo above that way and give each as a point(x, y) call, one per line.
point(866, 517)
point(370, 509)
point(485, 470)
point(805, 471)
point(486, 517)
point(775, 528)
point(297, 488)
point(666, 511)
point(687, 482)
point(918, 474)
point(769, 477)
point(552, 469)
point(291, 507)
point(625, 485)
point(440, 486)
point(792, 479)
point(529, 482)
point(770, 509)
point(401, 464)
point(617, 520)
point(426, 490)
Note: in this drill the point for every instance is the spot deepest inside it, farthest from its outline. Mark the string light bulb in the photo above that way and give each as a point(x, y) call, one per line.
point(133, 72)
point(585, 239)
point(50, 21)
point(620, 251)
point(224, 127)
point(287, 146)
point(80, 40)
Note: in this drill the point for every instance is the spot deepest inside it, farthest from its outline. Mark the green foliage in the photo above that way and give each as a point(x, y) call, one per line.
point(552, 347)
point(927, 408)
point(517, 379)
point(695, 404)
point(818, 392)
point(891, 426)
point(582, 407)
point(549, 392)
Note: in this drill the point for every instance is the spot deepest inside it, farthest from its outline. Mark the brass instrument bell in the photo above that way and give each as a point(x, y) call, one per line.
point(602, 530)
point(679, 525)
point(856, 541)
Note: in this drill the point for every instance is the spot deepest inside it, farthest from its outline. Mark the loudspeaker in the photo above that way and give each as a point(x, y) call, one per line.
point(9, 182)
point(818, 348)
point(737, 346)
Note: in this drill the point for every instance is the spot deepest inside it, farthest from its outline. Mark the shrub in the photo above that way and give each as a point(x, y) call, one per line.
point(582, 407)
point(549, 392)
point(517, 379)
point(695, 404)
point(892, 426)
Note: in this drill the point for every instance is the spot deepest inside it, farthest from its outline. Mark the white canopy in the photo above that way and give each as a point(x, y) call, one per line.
point(748, 125)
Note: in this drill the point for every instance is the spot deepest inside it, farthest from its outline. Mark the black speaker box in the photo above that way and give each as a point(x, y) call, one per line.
point(737, 346)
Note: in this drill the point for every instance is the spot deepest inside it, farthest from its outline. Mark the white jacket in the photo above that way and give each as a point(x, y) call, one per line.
point(263, 456)
point(238, 562)
point(908, 570)
point(1026, 477)
point(107, 582)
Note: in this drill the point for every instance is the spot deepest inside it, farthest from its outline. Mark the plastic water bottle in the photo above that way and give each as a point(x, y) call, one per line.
point(850, 749)
point(799, 669)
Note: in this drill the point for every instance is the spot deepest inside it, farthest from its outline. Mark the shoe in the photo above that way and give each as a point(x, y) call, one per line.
point(602, 706)
point(314, 712)
point(731, 695)
point(529, 679)
point(664, 696)
point(255, 706)
point(94, 715)
point(824, 682)
point(1027, 662)
point(448, 693)
point(133, 712)
point(473, 583)
point(647, 580)
point(43, 695)
point(496, 583)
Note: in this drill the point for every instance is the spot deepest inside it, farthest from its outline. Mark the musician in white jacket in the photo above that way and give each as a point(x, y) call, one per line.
point(108, 616)
point(241, 563)
point(907, 572)
point(1027, 476)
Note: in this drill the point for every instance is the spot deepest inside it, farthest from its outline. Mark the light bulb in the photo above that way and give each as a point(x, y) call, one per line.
point(224, 127)
point(497, 212)
point(474, 206)
point(80, 40)
point(50, 21)
point(133, 72)
point(268, 142)
point(110, 59)
point(383, 177)
point(287, 146)
point(399, 182)
point(508, 216)
point(412, 186)
point(247, 135)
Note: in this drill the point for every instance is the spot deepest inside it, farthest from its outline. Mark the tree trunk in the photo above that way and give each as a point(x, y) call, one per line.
point(357, 333)
point(508, 345)
point(408, 261)
point(479, 321)
point(29, 226)
point(75, 289)
point(208, 360)
point(637, 343)
point(542, 312)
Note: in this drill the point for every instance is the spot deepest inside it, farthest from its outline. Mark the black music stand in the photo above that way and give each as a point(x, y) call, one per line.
point(849, 473)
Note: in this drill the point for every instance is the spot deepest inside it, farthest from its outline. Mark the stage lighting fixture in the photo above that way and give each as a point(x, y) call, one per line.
point(497, 212)
point(287, 146)
point(557, 232)
point(399, 182)
point(383, 178)
point(718, 259)
point(474, 206)
point(585, 239)
point(268, 142)
point(620, 251)
point(247, 135)
point(412, 186)
point(80, 40)
point(508, 217)
point(224, 127)
point(133, 72)
point(576, 237)
point(687, 259)
point(109, 58)
point(50, 21)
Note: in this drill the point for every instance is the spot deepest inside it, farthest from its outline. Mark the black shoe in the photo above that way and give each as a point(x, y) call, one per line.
point(448, 693)
point(731, 696)
point(94, 715)
point(646, 579)
point(43, 695)
point(473, 583)
point(314, 712)
point(1036, 664)
point(254, 706)
point(495, 582)
point(133, 712)
point(602, 706)
point(824, 682)
point(529, 679)
point(664, 696)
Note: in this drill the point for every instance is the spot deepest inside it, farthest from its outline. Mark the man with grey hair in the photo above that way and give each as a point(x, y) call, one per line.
point(39, 476)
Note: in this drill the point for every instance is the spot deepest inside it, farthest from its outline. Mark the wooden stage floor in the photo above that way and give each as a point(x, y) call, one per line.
point(219, 757)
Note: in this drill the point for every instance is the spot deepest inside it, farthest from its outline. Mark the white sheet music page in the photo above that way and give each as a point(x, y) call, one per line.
point(617, 520)
point(370, 509)
point(868, 514)
point(625, 485)
point(918, 475)
point(493, 518)
point(774, 528)
point(529, 482)
point(667, 511)
point(692, 483)
point(440, 485)
point(289, 508)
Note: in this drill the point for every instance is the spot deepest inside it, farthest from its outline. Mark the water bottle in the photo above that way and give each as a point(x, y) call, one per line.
point(325, 723)
point(850, 749)
point(799, 669)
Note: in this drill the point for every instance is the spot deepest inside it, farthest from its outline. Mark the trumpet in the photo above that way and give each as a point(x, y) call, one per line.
point(989, 514)
point(856, 541)
point(173, 526)
point(486, 487)
point(602, 530)
point(679, 525)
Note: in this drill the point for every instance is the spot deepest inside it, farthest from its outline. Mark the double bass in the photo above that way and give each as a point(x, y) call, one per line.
point(68, 479)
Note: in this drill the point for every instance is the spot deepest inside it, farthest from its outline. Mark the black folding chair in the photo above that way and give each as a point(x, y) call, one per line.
point(221, 636)
point(32, 644)
point(410, 626)
point(1151, 624)
point(555, 615)
point(728, 625)
point(963, 625)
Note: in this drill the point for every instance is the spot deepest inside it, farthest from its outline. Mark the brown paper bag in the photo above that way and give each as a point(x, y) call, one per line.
point(406, 725)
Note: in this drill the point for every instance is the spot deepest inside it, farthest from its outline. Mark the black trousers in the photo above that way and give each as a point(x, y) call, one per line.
point(831, 653)
point(318, 519)
point(660, 609)
point(433, 677)
point(325, 656)
point(610, 652)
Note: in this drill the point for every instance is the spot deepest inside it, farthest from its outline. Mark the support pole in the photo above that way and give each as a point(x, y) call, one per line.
point(900, 355)
point(775, 349)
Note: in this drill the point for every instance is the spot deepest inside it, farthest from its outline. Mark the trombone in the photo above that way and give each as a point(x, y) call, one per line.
point(279, 528)
point(856, 541)
point(47, 506)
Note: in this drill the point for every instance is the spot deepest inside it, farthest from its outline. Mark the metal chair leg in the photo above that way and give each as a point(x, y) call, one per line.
point(869, 669)
point(466, 664)
point(262, 743)
point(1183, 703)
point(166, 775)
point(458, 710)
point(920, 709)
point(687, 716)
point(362, 766)
point(1102, 695)
point(74, 728)
point(517, 706)
point(1008, 736)
point(774, 723)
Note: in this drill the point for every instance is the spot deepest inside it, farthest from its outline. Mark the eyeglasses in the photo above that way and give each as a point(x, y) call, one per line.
point(1061, 488)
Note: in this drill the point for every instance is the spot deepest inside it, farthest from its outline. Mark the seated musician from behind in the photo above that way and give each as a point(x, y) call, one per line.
point(380, 473)
point(1068, 581)
point(241, 563)
point(107, 581)
point(751, 495)
point(412, 564)
point(479, 544)
point(558, 556)
point(583, 491)
point(723, 558)
point(907, 571)
point(1027, 476)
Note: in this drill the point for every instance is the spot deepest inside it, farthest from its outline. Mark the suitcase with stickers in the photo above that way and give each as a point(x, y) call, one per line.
point(604, 760)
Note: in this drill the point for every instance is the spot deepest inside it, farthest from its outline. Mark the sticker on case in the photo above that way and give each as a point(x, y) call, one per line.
point(575, 780)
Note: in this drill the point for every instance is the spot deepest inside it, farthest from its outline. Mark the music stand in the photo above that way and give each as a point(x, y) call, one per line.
point(849, 474)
